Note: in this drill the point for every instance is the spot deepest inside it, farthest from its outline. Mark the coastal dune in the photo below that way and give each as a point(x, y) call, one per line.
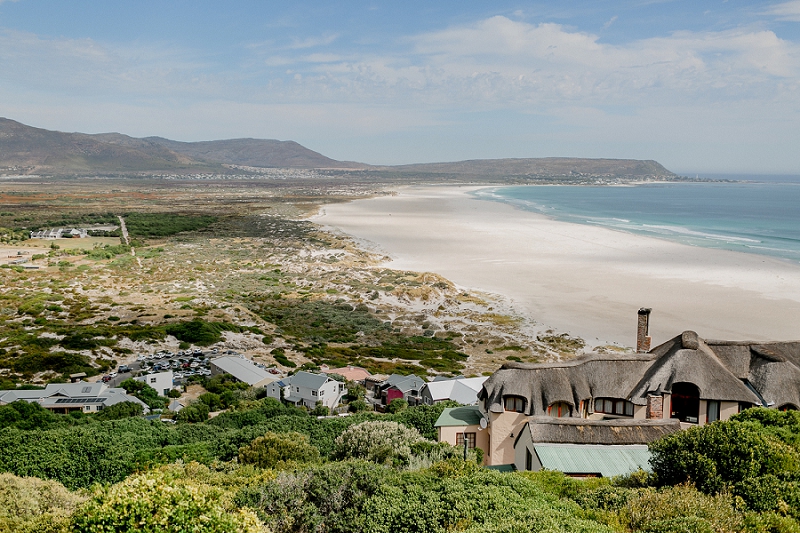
point(578, 279)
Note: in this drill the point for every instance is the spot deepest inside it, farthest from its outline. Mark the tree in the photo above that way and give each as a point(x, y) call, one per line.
point(276, 449)
point(120, 410)
point(379, 441)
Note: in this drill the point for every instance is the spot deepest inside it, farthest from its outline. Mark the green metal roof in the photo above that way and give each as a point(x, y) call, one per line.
point(501, 468)
point(459, 416)
point(606, 460)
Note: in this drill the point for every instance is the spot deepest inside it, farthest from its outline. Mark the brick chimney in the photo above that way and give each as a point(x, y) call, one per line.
point(643, 330)
point(655, 406)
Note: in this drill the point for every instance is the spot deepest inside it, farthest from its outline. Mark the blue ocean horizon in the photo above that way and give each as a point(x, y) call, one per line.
point(753, 214)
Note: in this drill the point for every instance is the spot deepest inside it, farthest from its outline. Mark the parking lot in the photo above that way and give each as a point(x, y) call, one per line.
point(184, 364)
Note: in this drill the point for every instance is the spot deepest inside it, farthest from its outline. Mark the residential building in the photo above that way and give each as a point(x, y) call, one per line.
point(242, 369)
point(67, 397)
point(456, 424)
point(405, 387)
point(280, 388)
point(462, 390)
point(162, 382)
point(306, 389)
point(593, 448)
point(689, 380)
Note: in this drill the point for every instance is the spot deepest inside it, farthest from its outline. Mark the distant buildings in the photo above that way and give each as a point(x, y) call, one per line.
point(241, 369)
point(71, 233)
point(67, 397)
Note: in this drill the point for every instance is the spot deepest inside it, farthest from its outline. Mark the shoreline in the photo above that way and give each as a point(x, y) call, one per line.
point(583, 280)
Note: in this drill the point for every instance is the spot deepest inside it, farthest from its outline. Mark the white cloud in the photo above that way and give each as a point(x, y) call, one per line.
point(786, 11)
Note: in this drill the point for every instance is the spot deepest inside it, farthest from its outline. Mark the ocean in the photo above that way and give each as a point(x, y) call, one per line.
point(758, 215)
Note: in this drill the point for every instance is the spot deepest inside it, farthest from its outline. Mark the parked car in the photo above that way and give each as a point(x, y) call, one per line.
point(124, 368)
point(106, 378)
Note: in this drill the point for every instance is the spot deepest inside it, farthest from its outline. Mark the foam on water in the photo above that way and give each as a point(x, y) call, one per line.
point(760, 217)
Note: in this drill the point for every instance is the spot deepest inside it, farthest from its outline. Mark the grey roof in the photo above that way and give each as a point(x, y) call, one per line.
point(242, 369)
point(718, 368)
point(408, 383)
point(309, 380)
point(583, 431)
point(462, 390)
point(56, 395)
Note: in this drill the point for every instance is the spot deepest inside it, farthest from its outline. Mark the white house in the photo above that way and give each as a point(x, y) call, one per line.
point(160, 381)
point(307, 389)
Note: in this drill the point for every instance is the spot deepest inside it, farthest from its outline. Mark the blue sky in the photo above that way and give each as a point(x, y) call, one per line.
point(710, 86)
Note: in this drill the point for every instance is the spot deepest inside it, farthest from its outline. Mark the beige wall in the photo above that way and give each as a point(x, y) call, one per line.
point(501, 426)
point(728, 409)
point(448, 434)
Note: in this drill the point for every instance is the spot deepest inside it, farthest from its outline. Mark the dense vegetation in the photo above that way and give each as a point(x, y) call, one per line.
point(165, 224)
point(267, 464)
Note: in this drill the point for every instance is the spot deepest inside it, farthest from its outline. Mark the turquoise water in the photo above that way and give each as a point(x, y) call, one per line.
point(761, 217)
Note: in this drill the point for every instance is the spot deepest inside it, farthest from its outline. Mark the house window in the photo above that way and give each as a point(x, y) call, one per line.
point(298, 389)
point(613, 406)
point(528, 459)
point(514, 403)
point(322, 393)
point(787, 407)
point(470, 440)
point(313, 393)
point(153, 380)
point(712, 412)
point(559, 409)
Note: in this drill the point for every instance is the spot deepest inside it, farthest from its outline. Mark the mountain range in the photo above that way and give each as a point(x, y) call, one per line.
point(29, 150)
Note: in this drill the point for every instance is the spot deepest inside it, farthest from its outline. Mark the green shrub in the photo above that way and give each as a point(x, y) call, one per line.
point(31, 505)
point(378, 441)
point(275, 450)
point(157, 502)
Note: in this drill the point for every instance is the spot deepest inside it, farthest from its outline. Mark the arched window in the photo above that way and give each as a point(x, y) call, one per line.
point(685, 402)
point(613, 406)
point(787, 407)
point(514, 403)
point(559, 409)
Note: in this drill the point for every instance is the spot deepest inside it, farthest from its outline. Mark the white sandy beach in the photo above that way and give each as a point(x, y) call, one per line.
point(583, 280)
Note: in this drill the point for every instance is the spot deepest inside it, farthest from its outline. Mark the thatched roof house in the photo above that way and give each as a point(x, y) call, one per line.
point(604, 399)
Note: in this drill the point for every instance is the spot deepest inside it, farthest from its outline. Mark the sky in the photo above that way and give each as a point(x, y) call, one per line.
point(699, 86)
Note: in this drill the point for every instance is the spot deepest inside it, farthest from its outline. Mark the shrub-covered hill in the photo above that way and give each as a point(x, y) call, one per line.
point(269, 467)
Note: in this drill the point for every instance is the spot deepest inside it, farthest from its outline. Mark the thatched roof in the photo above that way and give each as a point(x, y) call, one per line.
point(582, 431)
point(721, 370)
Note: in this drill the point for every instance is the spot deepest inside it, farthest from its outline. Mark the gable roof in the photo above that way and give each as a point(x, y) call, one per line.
point(242, 369)
point(461, 390)
point(309, 380)
point(608, 461)
point(410, 383)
